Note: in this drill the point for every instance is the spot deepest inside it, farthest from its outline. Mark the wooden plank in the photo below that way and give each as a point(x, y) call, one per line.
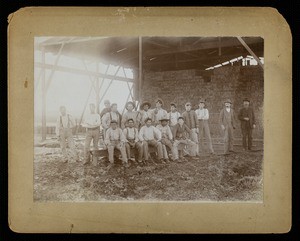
point(80, 71)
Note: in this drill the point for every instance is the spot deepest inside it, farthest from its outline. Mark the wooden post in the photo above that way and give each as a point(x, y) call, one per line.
point(97, 89)
point(140, 68)
point(251, 52)
point(44, 128)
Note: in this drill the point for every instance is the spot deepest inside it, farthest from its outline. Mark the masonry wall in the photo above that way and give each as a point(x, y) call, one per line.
point(234, 82)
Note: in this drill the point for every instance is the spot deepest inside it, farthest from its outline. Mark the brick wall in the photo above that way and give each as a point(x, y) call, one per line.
point(234, 82)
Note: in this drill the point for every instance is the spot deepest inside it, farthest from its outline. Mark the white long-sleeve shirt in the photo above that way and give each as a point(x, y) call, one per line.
point(165, 131)
point(114, 135)
point(173, 117)
point(202, 114)
point(92, 120)
point(149, 133)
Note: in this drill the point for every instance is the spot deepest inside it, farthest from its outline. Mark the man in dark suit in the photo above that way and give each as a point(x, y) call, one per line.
point(247, 118)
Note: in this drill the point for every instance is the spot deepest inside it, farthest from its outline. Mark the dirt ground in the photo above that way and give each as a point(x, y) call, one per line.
point(234, 177)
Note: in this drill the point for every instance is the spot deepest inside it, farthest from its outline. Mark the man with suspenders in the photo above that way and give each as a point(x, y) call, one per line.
point(63, 131)
point(132, 141)
point(113, 114)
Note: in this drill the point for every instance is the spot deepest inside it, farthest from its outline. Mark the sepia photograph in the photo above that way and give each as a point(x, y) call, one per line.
point(148, 118)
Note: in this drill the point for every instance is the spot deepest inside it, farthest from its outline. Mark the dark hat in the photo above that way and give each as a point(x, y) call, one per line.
point(113, 121)
point(159, 100)
point(180, 117)
point(145, 103)
point(129, 102)
point(228, 101)
point(202, 100)
point(173, 104)
point(148, 119)
point(246, 99)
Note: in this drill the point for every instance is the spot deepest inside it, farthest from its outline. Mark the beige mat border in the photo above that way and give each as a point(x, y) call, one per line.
point(273, 215)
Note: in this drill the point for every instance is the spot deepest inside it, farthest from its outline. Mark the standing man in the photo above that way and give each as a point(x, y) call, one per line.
point(129, 114)
point(180, 134)
point(166, 137)
point(203, 127)
point(159, 112)
point(190, 119)
point(227, 122)
point(247, 118)
point(113, 114)
point(92, 124)
point(173, 115)
point(151, 136)
point(115, 139)
point(63, 131)
point(144, 113)
point(106, 108)
point(132, 141)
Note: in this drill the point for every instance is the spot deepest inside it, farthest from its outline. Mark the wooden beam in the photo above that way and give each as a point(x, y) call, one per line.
point(227, 42)
point(251, 52)
point(80, 72)
point(140, 67)
point(44, 127)
point(132, 97)
point(55, 64)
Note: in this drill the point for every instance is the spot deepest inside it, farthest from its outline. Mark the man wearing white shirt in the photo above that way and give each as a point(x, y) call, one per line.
point(115, 139)
point(151, 136)
point(132, 141)
point(159, 112)
point(113, 114)
point(92, 124)
point(173, 116)
point(203, 127)
point(63, 131)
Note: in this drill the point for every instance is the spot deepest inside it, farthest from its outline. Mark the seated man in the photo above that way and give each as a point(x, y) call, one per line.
point(132, 141)
point(180, 133)
point(114, 138)
point(167, 137)
point(151, 136)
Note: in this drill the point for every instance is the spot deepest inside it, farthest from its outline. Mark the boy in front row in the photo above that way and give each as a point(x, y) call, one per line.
point(115, 138)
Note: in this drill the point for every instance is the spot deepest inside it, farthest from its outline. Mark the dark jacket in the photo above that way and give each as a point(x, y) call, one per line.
point(247, 112)
point(190, 119)
point(227, 119)
point(181, 132)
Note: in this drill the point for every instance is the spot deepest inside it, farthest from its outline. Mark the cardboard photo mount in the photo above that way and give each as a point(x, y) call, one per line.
point(273, 215)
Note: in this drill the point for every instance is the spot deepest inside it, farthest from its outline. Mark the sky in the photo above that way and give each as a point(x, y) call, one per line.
point(72, 90)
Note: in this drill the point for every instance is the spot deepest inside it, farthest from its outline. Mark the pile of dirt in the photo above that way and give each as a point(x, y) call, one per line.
point(236, 177)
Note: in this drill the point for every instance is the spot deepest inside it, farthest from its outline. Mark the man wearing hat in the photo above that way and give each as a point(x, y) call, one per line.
point(115, 139)
point(247, 118)
point(173, 115)
point(203, 127)
point(158, 111)
point(190, 119)
point(227, 121)
point(129, 114)
point(92, 124)
point(144, 113)
point(166, 137)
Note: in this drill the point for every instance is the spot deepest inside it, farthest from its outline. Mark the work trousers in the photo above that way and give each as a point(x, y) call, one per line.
point(192, 146)
point(154, 143)
point(66, 138)
point(91, 134)
point(167, 143)
point(111, 147)
point(247, 135)
point(137, 147)
point(228, 138)
point(204, 132)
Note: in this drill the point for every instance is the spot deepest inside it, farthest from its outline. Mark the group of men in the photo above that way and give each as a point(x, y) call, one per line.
point(135, 132)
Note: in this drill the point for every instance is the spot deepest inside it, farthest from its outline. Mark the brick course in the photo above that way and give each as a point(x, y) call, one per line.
point(234, 82)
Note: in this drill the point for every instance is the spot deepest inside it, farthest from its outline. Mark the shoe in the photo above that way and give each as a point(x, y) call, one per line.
point(176, 160)
point(194, 158)
point(167, 160)
point(126, 164)
point(86, 163)
point(232, 151)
